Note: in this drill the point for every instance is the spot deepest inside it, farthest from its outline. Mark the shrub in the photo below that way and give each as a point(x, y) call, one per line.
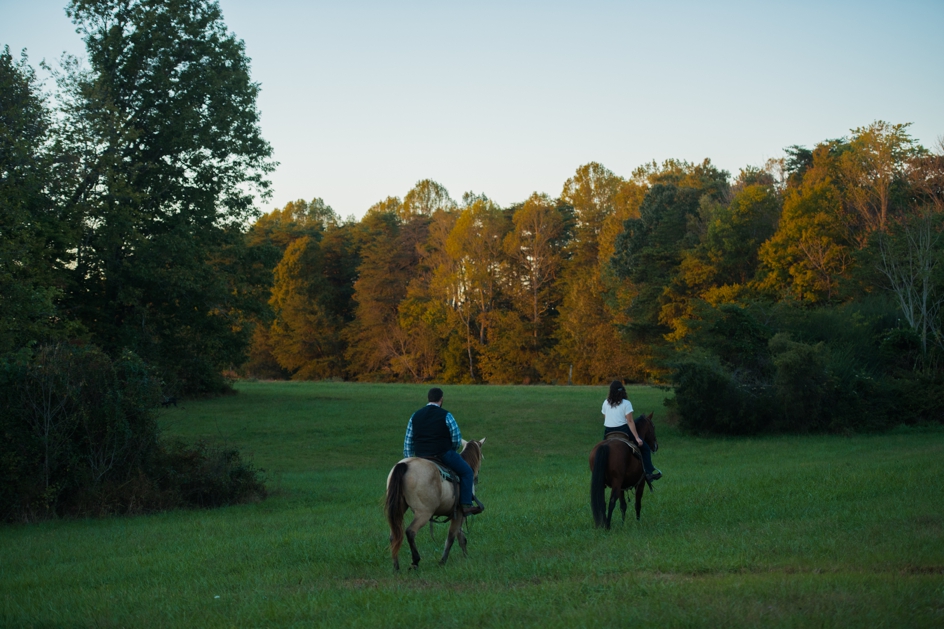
point(78, 436)
point(710, 398)
point(833, 370)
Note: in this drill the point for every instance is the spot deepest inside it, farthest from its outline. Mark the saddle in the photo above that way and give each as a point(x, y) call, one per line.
point(444, 470)
point(618, 436)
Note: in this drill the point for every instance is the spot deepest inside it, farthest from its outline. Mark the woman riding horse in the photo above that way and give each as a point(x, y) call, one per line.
point(618, 417)
point(614, 464)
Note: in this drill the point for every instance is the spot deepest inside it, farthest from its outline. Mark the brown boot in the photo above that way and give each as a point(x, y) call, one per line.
point(472, 509)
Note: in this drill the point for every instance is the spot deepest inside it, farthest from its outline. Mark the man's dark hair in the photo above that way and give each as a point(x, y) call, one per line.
point(435, 394)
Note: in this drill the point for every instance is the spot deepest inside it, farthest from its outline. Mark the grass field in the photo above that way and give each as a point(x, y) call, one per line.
point(821, 531)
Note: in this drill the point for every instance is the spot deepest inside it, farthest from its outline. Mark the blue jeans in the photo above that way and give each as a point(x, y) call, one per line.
point(460, 467)
point(644, 448)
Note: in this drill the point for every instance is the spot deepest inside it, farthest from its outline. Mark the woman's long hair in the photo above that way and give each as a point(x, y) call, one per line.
point(617, 393)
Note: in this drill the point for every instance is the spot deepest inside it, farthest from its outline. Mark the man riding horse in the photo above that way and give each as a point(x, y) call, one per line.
point(432, 432)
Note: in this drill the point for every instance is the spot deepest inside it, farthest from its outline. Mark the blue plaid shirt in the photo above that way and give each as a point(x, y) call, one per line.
point(453, 432)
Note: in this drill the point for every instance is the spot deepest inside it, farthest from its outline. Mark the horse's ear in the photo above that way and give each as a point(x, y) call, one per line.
point(482, 440)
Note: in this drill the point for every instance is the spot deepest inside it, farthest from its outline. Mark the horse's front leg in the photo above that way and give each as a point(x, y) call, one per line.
point(455, 529)
point(622, 504)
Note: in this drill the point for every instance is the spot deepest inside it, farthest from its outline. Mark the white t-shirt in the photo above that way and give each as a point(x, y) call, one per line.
point(616, 415)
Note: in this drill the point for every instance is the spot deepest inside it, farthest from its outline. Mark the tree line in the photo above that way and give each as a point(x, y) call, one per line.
point(613, 277)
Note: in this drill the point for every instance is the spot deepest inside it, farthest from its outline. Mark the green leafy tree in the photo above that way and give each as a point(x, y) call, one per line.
point(649, 254)
point(167, 154)
point(721, 267)
point(34, 236)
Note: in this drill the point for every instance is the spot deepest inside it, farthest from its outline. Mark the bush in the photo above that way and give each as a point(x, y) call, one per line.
point(710, 398)
point(78, 436)
point(827, 370)
point(204, 475)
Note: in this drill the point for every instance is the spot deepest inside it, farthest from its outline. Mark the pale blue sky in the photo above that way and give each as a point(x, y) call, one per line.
point(362, 99)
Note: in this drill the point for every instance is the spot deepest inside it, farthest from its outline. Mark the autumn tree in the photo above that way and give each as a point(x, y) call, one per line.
point(589, 346)
point(520, 329)
point(468, 279)
point(810, 255)
point(393, 234)
point(425, 198)
point(423, 319)
point(873, 171)
point(534, 250)
point(268, 240)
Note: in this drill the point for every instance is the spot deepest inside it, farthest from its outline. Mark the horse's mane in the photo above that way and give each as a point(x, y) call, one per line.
point(472, 456)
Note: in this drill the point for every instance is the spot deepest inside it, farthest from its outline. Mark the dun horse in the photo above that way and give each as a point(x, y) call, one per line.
point(416, 483)
point(614, 465)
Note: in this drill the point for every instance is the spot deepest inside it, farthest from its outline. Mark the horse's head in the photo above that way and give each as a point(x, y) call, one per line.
point(472, 453)
point(647, 431)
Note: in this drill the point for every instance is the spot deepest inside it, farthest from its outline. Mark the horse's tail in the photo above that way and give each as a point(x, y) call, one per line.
point(395, 507)
point(598, 485)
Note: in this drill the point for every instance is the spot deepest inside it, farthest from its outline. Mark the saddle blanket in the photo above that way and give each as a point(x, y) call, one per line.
point(447, 474)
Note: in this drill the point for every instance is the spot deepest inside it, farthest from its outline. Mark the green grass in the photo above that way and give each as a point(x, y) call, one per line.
point(781, 531)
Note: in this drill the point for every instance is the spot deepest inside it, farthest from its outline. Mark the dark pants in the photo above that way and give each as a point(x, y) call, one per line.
point(460, 467)
point(644, 448)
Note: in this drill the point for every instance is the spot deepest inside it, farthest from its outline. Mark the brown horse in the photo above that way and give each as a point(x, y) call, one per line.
point(416, 483)
point(614, 465)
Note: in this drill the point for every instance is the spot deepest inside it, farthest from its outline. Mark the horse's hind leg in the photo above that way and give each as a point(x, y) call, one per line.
point(640, 489)
point(455, 530)
point(614, 495)
point(418, 521)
